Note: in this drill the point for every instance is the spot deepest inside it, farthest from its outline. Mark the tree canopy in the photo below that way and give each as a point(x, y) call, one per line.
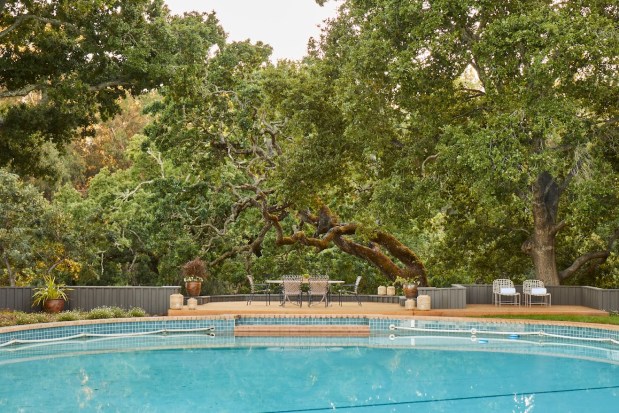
point(64, 66)
point(447, 141)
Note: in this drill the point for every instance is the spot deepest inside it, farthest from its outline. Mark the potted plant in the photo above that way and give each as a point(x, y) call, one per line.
point(194, 273)
point(409, 287)
point(52, 296)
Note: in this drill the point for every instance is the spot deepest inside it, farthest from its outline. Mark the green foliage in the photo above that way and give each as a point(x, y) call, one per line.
point(75, 60)
point(459, 107)
point(105, 312)
point(50, 291)
point(136, 312)
point(11, 318)
point(21, 210)
point(612, 319)
point(32, 318)
point(72, 315)
point(426, 120)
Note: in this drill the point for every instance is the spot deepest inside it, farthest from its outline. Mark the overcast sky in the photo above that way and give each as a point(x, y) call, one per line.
point(286, 25)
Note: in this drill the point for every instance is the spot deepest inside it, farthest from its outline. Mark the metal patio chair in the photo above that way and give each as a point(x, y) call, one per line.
point(535, 288)
point(350, 289)
point(258, 288)
point(291, 287)
point(318, 286)
point(504, 288)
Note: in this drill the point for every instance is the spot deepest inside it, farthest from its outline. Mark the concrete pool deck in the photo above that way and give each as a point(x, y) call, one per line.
point(369, 308)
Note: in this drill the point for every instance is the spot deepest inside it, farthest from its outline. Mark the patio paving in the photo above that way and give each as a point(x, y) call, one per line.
point(369, 308)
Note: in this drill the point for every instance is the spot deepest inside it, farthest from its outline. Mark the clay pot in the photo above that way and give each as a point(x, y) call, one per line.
point(410, 290)
point(53, 306)
point(193, 288)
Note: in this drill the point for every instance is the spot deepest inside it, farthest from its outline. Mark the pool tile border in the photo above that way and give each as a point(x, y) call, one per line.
point(224, 324)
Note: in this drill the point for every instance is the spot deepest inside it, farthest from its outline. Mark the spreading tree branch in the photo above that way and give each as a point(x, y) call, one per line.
point(580, 261)
point(601, 256)
point(19, 20)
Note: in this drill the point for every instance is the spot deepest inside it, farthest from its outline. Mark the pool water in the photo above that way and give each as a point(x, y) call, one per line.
point(308, 379)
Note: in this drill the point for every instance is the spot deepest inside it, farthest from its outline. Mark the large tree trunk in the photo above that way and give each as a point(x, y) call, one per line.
point(541, 246)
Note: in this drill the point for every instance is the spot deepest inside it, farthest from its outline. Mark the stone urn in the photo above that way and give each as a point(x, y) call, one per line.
point(193, 288)
point(410, 290)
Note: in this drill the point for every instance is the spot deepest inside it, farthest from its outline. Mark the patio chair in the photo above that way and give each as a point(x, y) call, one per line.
point(535, 288)
point(291, 287)
point(258, 288)
point(350, 289)
point(318, 286)
point(504, 288)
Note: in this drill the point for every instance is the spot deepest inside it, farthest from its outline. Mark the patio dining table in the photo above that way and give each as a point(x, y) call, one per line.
point(305, 281)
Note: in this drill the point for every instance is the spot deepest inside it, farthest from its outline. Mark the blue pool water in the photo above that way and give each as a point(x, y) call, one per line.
point(307, 379)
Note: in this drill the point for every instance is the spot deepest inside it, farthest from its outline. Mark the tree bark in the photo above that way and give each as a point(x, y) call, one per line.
point(340, 235)
point(541, 246)
point(7, 264)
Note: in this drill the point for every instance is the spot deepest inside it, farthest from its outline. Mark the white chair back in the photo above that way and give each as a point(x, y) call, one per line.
point(528, 285)
point(501, 283)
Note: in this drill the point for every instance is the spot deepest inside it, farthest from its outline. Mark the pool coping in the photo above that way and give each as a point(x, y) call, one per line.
point(24, 327)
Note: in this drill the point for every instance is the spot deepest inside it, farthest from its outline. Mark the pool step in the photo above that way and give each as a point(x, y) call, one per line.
point(314, 330)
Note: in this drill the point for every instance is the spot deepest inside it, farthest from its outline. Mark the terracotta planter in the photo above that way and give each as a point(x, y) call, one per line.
point(53, 306)
point(410, 290)
point(193, 288)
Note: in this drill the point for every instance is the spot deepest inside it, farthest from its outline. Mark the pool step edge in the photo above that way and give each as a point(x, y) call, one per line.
point(302, 330)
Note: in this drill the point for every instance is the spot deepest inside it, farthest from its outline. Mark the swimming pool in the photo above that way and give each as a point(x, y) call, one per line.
point(404, 365)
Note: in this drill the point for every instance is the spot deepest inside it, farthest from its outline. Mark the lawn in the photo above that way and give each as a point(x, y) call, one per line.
point(613, 318)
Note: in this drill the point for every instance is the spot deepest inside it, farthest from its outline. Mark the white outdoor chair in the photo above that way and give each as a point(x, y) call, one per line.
point(504, 288)
point(535, 288)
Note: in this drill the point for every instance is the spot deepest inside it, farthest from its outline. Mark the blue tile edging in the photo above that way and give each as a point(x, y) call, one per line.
point(223, 325)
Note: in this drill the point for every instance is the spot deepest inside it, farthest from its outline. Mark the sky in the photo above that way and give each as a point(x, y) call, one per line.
point(286, 25)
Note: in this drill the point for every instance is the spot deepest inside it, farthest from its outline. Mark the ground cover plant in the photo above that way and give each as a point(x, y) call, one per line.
point(10, 318)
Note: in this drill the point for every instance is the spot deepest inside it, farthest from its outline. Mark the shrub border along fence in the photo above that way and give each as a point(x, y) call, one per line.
point(156, 300)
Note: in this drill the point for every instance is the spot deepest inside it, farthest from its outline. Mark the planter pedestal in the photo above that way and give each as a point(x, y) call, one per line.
point(423, 302)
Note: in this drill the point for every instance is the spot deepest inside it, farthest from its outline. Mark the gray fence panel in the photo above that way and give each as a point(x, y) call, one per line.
point(478, 293)
point(607, 300)
point(154, 300)
point(16, 298)
point(566, 295)
point(454, 297)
